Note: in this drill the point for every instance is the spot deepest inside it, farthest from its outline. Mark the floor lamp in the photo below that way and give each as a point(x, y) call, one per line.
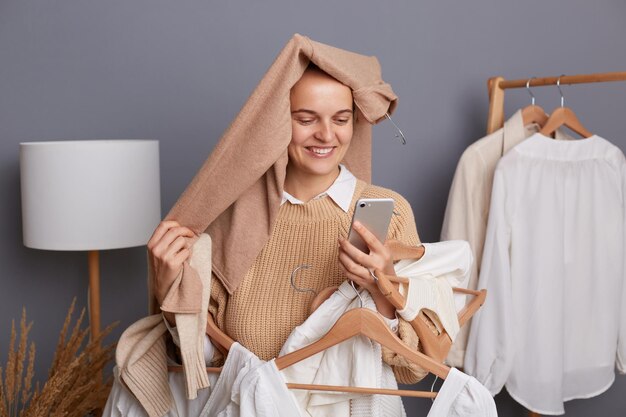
point(89, 195)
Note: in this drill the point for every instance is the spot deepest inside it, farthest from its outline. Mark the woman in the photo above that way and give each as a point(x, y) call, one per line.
point(309, 228)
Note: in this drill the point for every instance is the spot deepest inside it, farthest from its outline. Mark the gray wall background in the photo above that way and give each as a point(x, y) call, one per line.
point(179, 71)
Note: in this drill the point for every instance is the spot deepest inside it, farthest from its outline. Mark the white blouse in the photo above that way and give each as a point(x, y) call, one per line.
point(553, 326)
point(462, 396)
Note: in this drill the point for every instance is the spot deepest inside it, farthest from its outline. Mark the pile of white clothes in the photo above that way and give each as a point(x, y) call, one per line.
point(248, 386)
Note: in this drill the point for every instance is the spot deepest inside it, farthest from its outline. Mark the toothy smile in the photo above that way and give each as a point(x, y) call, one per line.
point(320, 151)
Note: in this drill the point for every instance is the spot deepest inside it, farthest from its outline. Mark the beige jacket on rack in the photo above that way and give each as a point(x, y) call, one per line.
point(470, 195)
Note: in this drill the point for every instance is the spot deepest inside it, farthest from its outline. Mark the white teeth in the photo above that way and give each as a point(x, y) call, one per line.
point(321, 151)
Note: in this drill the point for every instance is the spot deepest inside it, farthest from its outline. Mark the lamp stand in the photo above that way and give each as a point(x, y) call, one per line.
point(93, 258)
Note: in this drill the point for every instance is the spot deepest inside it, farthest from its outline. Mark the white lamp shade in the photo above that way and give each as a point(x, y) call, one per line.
point(89, 195)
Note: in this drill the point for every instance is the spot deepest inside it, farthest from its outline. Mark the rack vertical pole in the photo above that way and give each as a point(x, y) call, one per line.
point(495, 119)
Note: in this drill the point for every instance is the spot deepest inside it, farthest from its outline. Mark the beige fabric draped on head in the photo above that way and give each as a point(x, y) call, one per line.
point(236, 194)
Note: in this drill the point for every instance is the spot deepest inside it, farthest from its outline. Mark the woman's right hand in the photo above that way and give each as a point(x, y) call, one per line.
point(168, 248)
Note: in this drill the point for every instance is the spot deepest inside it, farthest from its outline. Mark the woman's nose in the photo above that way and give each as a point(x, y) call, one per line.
point(325, 132)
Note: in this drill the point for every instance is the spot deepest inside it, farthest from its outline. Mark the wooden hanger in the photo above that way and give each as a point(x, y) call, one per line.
point(534, 114)
point(220, 340)
point(436, 346)
point(564, 116)
point(363, 321)
point(358, 319)
point(217, 336)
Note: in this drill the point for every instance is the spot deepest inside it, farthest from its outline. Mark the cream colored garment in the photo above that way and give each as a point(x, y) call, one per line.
point(354, 362)
point(192, 327)
point(468, 202)
point(444, 265)
point(141, 356)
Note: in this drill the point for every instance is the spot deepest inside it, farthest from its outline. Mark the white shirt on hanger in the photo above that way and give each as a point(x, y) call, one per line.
point(467, 210)
point(554, 321)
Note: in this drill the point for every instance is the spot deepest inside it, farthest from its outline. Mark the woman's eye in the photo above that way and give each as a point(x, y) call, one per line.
point(305, 121)
point(342, 121)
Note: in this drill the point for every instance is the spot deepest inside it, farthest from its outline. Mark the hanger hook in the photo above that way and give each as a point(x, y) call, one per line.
point(400, 135)
point(532, 96)
point(432, 387)
point(558, 85)
point(293, 279)
point(357, 293)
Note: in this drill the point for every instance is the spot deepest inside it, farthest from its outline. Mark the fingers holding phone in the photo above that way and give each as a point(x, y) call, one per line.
point(358, 266)
point(357, 263)
point(364, 250)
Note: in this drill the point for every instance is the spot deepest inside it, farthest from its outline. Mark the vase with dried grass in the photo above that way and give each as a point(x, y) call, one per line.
point(74, 387)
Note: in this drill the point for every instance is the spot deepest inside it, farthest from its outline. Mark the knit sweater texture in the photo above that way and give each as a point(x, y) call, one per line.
point(265, 308)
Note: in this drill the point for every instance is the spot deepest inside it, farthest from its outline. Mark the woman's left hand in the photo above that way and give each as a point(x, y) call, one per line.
point(357, 264)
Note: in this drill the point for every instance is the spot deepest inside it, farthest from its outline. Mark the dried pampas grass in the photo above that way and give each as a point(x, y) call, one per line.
point(74, 387)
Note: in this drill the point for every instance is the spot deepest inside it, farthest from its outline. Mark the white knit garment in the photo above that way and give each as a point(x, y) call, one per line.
point(444, 265)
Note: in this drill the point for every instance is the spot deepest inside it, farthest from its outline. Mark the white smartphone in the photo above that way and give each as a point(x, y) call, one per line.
point(375, 215)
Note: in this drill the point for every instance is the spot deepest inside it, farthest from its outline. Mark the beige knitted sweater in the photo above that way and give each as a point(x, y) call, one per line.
point(264, 310)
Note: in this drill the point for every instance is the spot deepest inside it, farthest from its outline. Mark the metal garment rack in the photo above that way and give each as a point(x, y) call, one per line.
point(497, 85)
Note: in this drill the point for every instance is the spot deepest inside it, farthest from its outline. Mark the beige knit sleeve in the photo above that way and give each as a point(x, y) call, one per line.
point(403, 228)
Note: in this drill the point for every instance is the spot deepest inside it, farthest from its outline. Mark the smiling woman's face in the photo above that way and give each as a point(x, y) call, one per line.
point(321, 123)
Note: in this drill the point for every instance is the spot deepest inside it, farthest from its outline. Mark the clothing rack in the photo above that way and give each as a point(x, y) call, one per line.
point(497, 85)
